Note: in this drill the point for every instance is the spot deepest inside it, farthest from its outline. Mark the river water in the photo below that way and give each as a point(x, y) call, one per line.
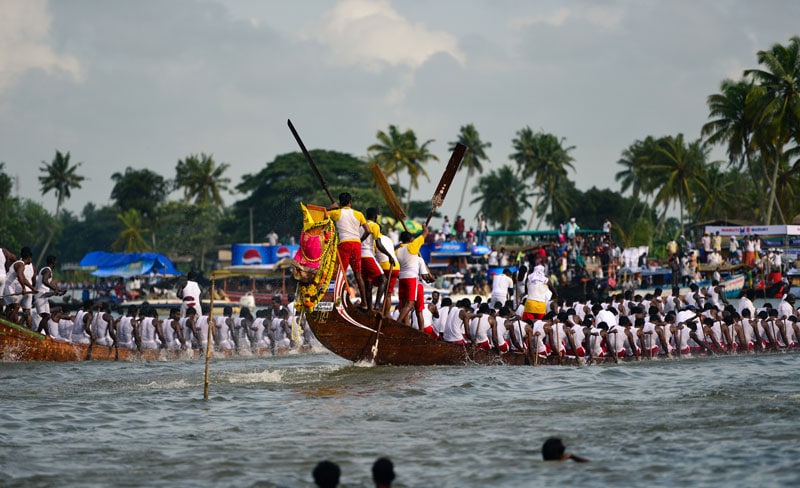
point(721, 421)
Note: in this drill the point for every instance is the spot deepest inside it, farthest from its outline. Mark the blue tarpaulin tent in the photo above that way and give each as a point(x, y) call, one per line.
point(128, 264)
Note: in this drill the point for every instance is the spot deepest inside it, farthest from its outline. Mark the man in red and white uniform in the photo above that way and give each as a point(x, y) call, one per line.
point(190, 294)
point(408, 257)
point(393, 270)
point(351, 226)
point(371, 272)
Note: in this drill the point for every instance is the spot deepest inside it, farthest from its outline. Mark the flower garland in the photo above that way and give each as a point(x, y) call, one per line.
point(309, 295)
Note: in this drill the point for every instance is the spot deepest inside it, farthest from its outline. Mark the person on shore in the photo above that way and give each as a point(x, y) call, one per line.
point(18, 285)
point(408, 257)
point(383, 473)
point(349, 225)
point(553, 449)
point(326, 474)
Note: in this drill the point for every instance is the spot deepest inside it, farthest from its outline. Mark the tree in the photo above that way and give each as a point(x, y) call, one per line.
point(131, 236)
point(60, 177)
point(544, 158)
point(636, 175)
point(5, 184)
point(473, 159)
point(503, 197)
point(777, 102)
point(202, 180)
point(274, 193)
point(188, 229)
point(95, 229)
point(398, 151)
point(139, 189)
point(679, 168)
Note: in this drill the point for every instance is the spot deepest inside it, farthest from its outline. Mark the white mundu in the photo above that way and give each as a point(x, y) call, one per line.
point(147, 331)
point(79, 335)
point(42, 302)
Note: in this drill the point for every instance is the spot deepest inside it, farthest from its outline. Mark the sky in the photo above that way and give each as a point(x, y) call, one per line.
point(147, 83)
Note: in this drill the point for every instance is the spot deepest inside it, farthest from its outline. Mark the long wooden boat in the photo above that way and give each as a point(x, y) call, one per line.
point(18, 343)
point(352, 333)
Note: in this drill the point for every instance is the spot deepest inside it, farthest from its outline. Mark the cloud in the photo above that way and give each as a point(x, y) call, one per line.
point(373, 35)
point(24, 36)
point(555, 18)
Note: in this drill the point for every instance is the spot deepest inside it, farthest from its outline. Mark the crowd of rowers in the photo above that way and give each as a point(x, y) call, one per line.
point(627, 325)
point(275, 328)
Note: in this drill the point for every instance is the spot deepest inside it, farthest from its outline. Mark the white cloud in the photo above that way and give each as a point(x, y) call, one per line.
point(373, 35)
point(555, 18)
point(24, 30)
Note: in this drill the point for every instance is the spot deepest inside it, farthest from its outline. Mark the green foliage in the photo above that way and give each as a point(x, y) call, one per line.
point(132, 236)
point(95, 230)
point(139, 189)
point(473, 159)
point(397, 152)
point(276, 191)
point(185, 229)
point(503, 198)
point(60, 177)
point(5, 184)
point(24, 223)
point(202, 180)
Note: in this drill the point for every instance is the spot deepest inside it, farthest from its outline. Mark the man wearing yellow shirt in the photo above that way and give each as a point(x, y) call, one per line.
point(371, 272)
point(407, 256)
point(349, 226)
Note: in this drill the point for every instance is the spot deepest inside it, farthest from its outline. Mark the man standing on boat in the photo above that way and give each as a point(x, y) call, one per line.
point(538, 295)
point(349, 225)
point(45, 289)
point(407, 256)
point(371, 272)
point(190, 293)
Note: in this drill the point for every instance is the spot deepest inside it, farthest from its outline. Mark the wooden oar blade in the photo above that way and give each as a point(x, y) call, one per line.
point(447, 178)
point(388, 194)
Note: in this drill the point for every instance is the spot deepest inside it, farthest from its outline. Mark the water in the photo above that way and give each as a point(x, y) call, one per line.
point(698, 422)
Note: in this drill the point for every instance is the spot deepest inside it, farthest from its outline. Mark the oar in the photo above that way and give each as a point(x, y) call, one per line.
point(447, 179)
point(89, 349)
point(310, 161)
point(388, 194)
point(536, 350)
point(377, 337)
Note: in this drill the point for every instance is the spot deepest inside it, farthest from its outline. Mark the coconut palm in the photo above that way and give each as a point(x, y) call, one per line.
point(679, 167)
point(503, 197)
point(398, 151)
point(473, 159)
point(60, 177)
point(202, 180)
point(544, 158)
point(777, 104)
point(131, 238)
point(635, 176)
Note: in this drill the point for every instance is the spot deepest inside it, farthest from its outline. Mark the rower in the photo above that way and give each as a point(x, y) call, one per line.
point(125, 336)
point(407, 255)
point(80, 329)
point(279, 332)
point(349, 225)
point(371, 272)
point(483, 324)
point(172, 330)
point(17, 285)
point(45, 289)
point(222, 330)
point(260, 339)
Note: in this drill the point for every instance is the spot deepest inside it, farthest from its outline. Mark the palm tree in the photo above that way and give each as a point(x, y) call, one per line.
point(777, 102)
point(202, 180)
point(503, 197)
point(543, 157)
point(398, 151)
point(472, 162)
point(61, 177)
point(635, 176)
point(131, 237)
point(679, 167)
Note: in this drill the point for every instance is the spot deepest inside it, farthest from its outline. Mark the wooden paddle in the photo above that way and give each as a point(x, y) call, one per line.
point(377, 337)
point(310, 160)
point(447, 179)
point(388, 194)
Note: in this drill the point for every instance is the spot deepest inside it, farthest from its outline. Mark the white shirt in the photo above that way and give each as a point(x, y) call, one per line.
point(500, 285)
